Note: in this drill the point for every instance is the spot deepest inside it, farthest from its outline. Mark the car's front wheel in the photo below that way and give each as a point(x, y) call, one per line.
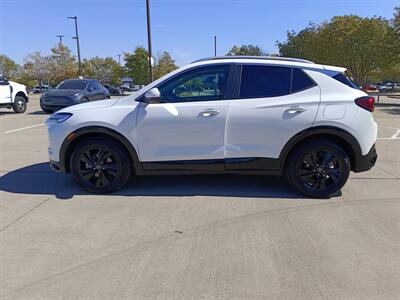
point(100, 165)
point(318, 168)
point(19, 105)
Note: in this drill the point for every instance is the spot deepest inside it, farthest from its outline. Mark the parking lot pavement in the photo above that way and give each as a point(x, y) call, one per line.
point(180, 237)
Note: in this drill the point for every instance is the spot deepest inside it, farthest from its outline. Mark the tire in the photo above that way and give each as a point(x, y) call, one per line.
point(103, 174)
point(19, 105)
point(318, 169)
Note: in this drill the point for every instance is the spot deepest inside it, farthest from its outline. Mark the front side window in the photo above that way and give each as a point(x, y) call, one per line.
point(265, 81)
point(201, 84)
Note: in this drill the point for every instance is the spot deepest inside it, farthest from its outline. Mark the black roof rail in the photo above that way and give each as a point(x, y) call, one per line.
point(278, 58)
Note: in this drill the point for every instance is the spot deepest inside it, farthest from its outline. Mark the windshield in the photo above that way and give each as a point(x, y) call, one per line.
point(72, 85)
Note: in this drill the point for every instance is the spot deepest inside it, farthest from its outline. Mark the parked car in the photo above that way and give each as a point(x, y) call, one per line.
point(389, 86)
point(37, 89)
point(288, 117)
point(113, 90)
point(71, 92)
point(369, 88)
point(13, 95)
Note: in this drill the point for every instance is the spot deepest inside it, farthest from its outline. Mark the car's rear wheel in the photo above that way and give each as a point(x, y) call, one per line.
point(100, 165)
point(318, 168)
point(19, 105)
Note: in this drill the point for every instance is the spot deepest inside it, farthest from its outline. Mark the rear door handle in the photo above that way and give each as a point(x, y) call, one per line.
point(295, 109)
point(210, 112)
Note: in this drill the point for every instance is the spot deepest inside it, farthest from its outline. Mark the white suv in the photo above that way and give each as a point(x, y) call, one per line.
point(248, 115)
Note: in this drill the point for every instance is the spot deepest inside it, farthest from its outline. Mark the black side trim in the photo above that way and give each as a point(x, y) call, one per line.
point(65, 150)
point(230, 165)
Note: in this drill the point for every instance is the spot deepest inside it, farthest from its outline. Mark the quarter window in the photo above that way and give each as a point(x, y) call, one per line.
point(265, 81)
point(301, 81)
point(201, 84)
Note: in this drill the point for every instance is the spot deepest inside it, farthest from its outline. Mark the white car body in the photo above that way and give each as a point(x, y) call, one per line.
point(226, 130)
point(10, 91)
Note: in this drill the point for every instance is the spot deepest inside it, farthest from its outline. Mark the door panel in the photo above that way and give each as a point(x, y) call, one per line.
point(181, 131)
point(261, 127)
point(5, 94)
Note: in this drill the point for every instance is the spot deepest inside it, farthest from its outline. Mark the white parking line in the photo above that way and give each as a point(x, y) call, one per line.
point(23, 128)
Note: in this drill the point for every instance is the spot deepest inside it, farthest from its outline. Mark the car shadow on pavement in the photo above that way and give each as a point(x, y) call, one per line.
point(39, 179)
point(39, 112)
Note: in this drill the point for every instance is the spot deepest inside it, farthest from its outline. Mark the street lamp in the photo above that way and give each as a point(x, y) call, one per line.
point(76, 37)
point(149, 39)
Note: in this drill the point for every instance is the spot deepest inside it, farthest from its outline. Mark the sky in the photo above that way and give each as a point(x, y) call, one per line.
point(185, 28)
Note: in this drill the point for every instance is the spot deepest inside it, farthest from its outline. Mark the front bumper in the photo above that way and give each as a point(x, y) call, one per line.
point(366, 162)
point(57, 103)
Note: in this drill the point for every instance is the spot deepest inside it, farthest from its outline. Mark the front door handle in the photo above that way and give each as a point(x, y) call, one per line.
point(210, 112)
point(295, 109)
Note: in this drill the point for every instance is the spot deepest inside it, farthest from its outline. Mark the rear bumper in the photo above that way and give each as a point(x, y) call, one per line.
point(366, 162)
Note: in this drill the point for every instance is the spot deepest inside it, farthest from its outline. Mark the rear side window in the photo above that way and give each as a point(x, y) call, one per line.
point(265, 81)
point(301, 81)
point(345, 80)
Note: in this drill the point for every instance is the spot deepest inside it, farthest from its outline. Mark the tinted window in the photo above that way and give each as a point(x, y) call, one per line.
point(345, 80)
point(301, 81)
point(265, 81)
point(72, 85)
point(202, 84)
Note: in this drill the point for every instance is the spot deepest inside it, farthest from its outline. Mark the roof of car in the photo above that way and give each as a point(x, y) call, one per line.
point(278, 58)
point(275, 60)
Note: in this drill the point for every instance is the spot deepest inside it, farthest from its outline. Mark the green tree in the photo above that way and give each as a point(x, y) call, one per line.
point(164, 65)
point(63, 63)
point(137, 65)
point(362, 45)
point(251, 50)
point(103, 69)
point(8, 67)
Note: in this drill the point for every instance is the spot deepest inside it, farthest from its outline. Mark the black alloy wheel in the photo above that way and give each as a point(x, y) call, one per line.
point(101, 165)
point(318, 169)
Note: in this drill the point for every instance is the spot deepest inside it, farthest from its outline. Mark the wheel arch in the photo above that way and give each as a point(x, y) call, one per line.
point(73, 139)
point(23, 95)
point(344, 139)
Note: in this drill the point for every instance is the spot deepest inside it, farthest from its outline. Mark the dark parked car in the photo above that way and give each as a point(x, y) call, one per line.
point(71, 92)
point(113, 90)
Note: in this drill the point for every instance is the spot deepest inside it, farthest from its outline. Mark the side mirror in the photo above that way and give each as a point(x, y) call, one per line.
point(152, 96)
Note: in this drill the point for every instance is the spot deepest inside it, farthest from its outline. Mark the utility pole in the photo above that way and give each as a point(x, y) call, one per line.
point(215, 45)
point(149, 39)
point(60, 37)
point(76, 37)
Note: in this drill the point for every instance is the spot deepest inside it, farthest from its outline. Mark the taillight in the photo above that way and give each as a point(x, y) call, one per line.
point(367, 103)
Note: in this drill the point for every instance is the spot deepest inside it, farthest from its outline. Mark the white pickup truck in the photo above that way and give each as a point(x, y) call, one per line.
point(13, 95)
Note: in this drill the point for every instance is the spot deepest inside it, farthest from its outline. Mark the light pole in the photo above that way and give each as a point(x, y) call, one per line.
point(149, 39)
point(76, 37)
point(215, 45)
point(60, 37)
point(119, 58)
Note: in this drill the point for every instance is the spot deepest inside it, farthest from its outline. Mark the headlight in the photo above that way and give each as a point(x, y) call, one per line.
point(60, 117)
